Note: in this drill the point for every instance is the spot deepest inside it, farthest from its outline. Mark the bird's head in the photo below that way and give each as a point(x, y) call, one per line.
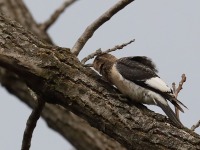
point(103, 61)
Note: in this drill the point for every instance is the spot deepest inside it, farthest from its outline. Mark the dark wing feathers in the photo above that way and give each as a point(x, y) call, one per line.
point(140, 72)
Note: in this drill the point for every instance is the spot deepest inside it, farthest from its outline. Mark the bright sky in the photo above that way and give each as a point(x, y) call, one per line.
point(166, 31)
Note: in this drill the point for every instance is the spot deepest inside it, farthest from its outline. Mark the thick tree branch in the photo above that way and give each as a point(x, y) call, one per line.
point(44, 26)
point(57, 75)
point(87, 34)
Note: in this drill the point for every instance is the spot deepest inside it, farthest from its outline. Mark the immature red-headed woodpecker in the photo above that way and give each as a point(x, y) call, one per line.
point(136, 78)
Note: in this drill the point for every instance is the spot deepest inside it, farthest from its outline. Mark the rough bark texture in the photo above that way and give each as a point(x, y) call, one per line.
point(56, 75)
point(74, 129)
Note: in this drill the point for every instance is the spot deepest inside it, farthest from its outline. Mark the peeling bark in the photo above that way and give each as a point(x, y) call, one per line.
point(57, 75)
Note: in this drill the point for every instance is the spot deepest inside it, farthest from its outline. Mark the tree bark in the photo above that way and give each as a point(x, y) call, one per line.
point(77, 131)
point(58, 77)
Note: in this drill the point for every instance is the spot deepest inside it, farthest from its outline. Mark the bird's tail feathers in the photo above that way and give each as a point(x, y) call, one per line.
point(169, 112)
point(175, 101)
point(180, 103)
point(177, 104)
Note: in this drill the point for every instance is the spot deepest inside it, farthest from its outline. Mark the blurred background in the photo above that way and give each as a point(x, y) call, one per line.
point(166, 31)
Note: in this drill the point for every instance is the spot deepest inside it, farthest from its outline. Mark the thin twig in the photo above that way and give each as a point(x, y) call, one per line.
point(97, 52)
point(177, 90)
point(92, 55)
point(44, 26)
point(195, 126)
point(119, 46)
point(180, 86)
point(87, 34)
point(31, 124)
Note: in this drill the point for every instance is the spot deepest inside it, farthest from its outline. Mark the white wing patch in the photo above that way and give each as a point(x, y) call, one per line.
point(158, 84)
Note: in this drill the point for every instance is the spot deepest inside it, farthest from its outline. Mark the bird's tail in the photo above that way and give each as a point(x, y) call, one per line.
point(177, 104)
point(170, 113)
point(175, 101)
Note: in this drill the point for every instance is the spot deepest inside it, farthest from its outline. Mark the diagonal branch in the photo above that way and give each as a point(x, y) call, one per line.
point(44, 26)
point(87, 34)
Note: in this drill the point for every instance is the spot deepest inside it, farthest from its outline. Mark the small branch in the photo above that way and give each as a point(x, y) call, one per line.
point(177, 90)
point(119, 46)
point(195, 126)
point(44, 26)
point(87, 34)
point(180, 86)
point(31, 124)
point(97, 52)
point(92, 55)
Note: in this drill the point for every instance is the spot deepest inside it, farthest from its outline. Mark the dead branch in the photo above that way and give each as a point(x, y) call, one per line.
point(177, 90)
point(44, 26)
point(195, 126)
point(97, 52)
point(180, 86)
point(92, 55)
point(118, 47)
point(87, 34)
point(31, 124)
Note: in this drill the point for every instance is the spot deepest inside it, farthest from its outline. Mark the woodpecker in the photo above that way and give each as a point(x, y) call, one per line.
point(136, 77)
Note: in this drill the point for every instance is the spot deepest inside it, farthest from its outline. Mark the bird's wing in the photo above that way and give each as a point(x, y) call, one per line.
point(141, 73)
point(144, 74)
